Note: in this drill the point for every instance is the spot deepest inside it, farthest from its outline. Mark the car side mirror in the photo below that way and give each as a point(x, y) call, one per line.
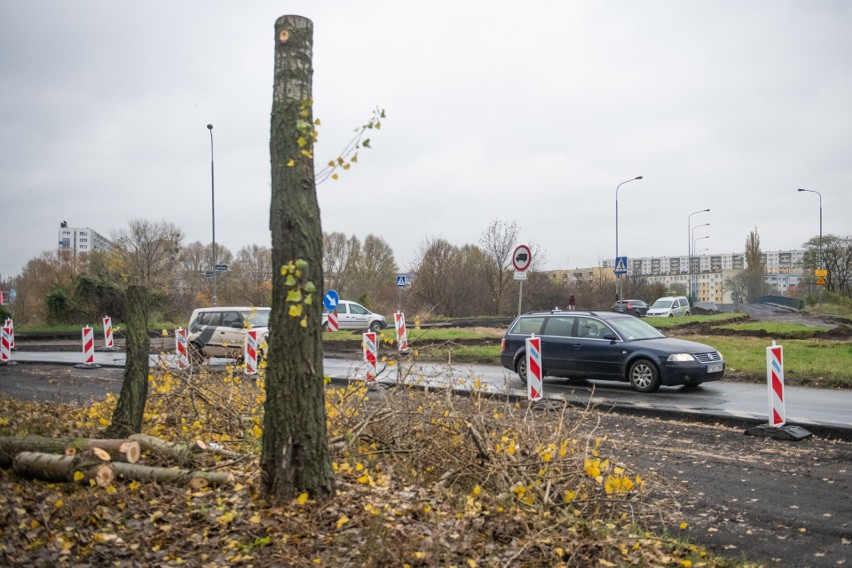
point(237, 325)
point(610, 336)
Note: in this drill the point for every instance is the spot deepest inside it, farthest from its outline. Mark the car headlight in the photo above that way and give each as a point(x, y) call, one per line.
point(680, 358)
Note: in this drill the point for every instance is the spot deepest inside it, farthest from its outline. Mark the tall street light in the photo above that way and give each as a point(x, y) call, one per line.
point(692, 274)
point(617, 275)
point(695, 282)
point(689, 239)
point(821, 259)
point(213, 210)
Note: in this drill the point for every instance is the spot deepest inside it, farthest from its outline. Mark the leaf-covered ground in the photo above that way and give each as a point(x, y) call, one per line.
point(423, 479)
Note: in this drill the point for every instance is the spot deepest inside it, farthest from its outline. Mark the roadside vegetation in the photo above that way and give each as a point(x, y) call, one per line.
point(423, 479)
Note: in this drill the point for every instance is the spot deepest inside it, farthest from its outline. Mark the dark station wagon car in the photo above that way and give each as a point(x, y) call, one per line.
point(608, 345)
point(636, 308)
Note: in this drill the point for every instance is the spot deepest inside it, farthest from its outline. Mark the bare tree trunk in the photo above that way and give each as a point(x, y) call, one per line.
point(295, 455)
point(127, 417)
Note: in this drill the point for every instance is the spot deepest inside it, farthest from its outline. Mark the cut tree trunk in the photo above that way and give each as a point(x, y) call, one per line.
point(295, 454)
point(127, 416)
point(182, 453)
point(119, 450)
point(52, 467)
point(195, 479)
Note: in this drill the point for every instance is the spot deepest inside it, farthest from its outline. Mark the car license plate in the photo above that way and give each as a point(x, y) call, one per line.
point(714, 368)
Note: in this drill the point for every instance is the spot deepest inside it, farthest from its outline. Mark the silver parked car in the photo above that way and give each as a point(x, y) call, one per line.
point(351, 315)
point(221, 331)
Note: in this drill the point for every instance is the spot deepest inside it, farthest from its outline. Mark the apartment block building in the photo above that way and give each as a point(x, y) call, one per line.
point(708, 272)
point(79, 240)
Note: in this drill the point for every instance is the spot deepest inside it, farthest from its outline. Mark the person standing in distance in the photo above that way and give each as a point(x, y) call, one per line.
point(571, 302)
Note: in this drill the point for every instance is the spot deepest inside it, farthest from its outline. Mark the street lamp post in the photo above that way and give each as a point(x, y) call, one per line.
point(821, 260)
point(617, 275)
point(689, 240)
point(213, 210)
point(692, 275)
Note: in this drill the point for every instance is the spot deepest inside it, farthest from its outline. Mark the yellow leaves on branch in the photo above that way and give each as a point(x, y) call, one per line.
point(349, 155)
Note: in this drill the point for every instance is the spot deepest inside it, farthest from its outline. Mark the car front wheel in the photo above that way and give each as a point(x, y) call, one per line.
point(376, 326)
point(644, 376)
point(522, 369)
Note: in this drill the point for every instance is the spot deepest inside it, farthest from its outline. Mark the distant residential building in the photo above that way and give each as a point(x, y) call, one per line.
point(81, 240)
point(710, 272)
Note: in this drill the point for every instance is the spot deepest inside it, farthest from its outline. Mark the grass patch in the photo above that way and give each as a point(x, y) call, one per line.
point(792, 330)
point(431, 334)
point(669, 323)
point(809, 362)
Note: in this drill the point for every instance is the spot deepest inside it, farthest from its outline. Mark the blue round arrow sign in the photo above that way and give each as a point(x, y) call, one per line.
point(330, 299)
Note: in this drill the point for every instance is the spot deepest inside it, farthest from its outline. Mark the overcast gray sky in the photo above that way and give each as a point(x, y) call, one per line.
point(531, 114)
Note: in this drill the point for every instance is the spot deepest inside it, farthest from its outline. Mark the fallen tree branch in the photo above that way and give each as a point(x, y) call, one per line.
point(195, 479)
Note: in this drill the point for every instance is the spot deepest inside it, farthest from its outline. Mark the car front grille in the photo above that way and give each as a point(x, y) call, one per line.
point(708, 357)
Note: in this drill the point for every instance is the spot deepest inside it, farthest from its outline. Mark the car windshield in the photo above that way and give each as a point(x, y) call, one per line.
point(662, 304)
point(633, 329)
point(257, 318)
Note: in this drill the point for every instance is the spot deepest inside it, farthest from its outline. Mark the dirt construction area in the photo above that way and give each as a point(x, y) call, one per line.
point(778, 503)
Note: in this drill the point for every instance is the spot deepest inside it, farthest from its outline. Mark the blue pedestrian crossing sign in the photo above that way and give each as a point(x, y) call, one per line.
point(330, 300)
point(621, 265)
point(402, 280)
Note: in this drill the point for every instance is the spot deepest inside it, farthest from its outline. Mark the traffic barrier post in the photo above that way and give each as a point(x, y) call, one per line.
point(88, 346)
point(370, 355)
point(332, 321)
point(775, 382)
point(534, 378)
point(5, 343)
point(777, 427)
point(10, 323)
point(250, 355)
point(401, 334)
point(181, 348)
point(108, 340)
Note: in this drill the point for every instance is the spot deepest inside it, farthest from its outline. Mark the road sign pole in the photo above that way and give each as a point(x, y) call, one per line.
point(520, 296)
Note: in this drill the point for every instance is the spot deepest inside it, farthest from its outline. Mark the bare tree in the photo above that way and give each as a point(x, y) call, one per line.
point(295, 453)
point(498, 241)
point(253, 273)
point(338, 253)
point(147, 253)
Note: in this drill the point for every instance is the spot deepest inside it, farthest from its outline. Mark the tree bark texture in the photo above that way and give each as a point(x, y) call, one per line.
point(127, 417)
point(295, 455)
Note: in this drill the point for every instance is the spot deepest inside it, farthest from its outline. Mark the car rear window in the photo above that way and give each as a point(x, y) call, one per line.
point(527, 326)
point(560, 326)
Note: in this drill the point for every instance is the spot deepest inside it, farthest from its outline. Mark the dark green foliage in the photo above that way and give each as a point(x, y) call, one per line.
point(96, 298)
point(59, 306)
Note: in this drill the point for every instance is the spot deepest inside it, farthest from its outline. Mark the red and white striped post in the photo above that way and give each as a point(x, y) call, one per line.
point(250, 355)
point(401, 335)
point(6, 343)
point(534, 379)
point(11, 325)
point(371, 349)
point(181, 348)
point(332, 321)
point(108, 341)
point(775, 382)
point(88, 346)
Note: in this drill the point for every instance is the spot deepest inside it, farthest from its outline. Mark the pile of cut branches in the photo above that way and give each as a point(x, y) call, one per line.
point(422, 479)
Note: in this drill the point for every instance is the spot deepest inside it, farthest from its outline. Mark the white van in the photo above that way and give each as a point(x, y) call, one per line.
point(668, 307)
